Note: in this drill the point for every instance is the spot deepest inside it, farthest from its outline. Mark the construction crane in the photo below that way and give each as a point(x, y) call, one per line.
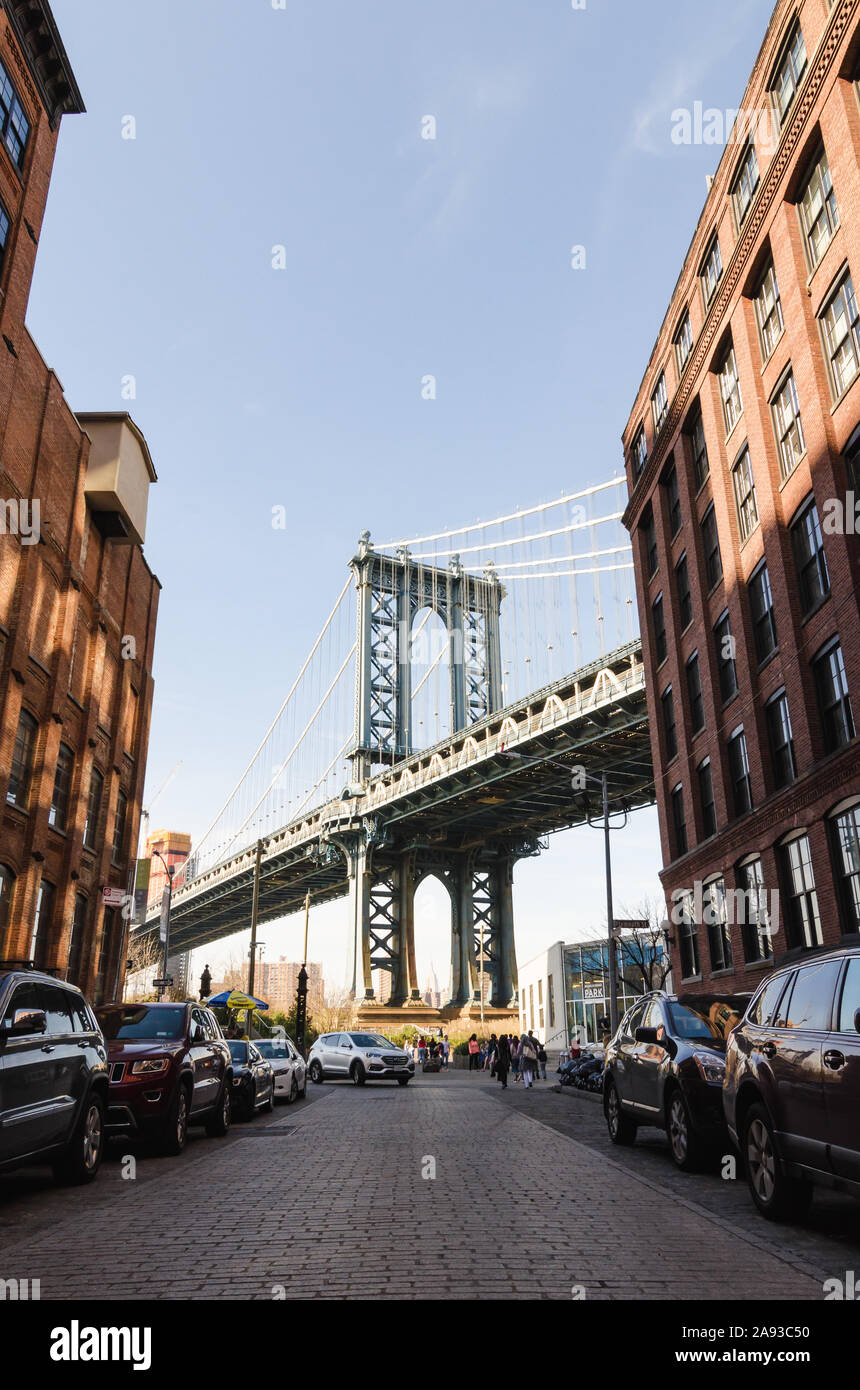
point(145, 811)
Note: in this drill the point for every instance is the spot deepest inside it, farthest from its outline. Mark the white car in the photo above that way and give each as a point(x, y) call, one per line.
point(291, 1077)
point(359, 1057)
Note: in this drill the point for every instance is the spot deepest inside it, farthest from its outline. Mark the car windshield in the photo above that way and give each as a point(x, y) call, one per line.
point(706, 1017)
point(370, 1040)
point(140, 1022)
point(238, 1050)
point(273, 1048)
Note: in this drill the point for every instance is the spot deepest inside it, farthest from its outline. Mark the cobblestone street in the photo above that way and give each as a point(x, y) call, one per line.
point(328, 1198)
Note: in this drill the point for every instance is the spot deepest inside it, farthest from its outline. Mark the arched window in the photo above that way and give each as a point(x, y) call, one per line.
point(94, 806)
point(58, 814)
point(22, 760)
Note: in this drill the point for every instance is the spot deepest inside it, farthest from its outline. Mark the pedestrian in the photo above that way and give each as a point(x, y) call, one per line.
point(446, 1051)
point(474, 1052)
point(422, 1049)
point(528, 1059)
point(492, 1053)
point(503, 1061)
point(542, 1059)
point(515, 1057)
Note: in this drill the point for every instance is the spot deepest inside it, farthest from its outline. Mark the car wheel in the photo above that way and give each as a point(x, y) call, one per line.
point(775, 1194)
point(294, 1090)
point(218, 1126)
point(82, 1159)
point(684, 1143)
point(315, 1072)
point(176, 1129)
point(358, 1075)
point(622, 1130)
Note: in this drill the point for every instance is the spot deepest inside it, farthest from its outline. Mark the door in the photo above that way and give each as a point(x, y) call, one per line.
point(39, 1074)
point(793, 1047)
point(340, 1054)
point(649, 1060)
point(842, 1076)
point(624, 1061)
point(201, 1053)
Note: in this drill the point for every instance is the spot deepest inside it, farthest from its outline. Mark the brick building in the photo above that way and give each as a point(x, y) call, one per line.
point(743, 456)
point(277, 982)
point(78, 602)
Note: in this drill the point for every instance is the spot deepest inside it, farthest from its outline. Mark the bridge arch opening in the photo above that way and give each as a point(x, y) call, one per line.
point(430, 661)
point(433, 923)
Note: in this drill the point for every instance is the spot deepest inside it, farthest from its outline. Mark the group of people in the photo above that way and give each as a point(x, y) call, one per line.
point(431, 1047)
point(523, 1057)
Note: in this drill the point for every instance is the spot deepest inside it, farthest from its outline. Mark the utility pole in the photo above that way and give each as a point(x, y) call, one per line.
point(255, 907)
point(613, 976)
point(302, 990)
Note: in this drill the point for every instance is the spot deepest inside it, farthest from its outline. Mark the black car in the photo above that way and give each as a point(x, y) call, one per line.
point(253, 1079)
point(665, 1067)
point(53, 1076)
point(792, 1088)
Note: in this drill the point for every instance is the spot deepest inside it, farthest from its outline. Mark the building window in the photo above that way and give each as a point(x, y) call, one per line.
point(648, 531)
point(640, 453)
point(679, 822)
point(712, 271)
point(739, 771)
point(730, 390)
point(745, 498)
point(841, 324)
point(756, 930)
point(5, 224)
point(807, 543)
point(7, 885)
point(745, 184)
point(59, 811)
point(725, 647)
point(701, 467)
point(803, 921)
point(694, 693)
point(14, 125)
point(846, 834)
point(706, 799)
point(76, 943)
point(682, 588)
point(688, 938)
point(716, 921)
point(761, 611)
point(788, 75)
point(40, 938)
point(780, 739)
point(659, 403)
point(768, 312)
point(669, 731)
point(22, 761)
point(834, 702)
point(683, 342)
point(119, 827)
point(819, 214)
point(711, 544)
point(658, 623)
point(852, 462)
point(789, 430)
point(673, 499)
point(94, 806)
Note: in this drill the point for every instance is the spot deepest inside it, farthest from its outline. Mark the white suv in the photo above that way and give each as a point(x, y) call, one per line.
point(360, 1057)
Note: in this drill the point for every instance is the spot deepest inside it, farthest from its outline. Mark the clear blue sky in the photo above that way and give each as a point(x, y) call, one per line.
point(302, 127)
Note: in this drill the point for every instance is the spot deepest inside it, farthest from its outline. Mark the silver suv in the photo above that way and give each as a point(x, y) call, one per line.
point(360, 1057)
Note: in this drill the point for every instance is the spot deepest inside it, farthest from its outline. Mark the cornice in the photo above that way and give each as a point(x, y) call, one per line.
point(47, 65)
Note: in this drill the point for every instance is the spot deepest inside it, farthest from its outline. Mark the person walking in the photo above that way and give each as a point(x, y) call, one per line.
point(515, 1057)
point(503, 1061)
point(422, 1049)
point(474, 1052)
point(542, 1059)
point(446, 1051)
point(492, 1053)
point(528, 1059)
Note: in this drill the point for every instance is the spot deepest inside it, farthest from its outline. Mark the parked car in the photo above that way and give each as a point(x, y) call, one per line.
point(360, 1057)
point(253, 1079)
point(53, 1075)
point(792, 1087)
point(665, 1067)
point(170, 1067)
point(288, 1065)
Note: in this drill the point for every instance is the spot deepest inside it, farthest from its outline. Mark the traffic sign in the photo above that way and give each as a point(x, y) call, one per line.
point(112, 897)
point(163, 983)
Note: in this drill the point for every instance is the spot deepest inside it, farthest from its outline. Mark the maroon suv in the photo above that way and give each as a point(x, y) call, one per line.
point(169, 1067)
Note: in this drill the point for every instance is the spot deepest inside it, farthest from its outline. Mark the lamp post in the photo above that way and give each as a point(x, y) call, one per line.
point(302, 989)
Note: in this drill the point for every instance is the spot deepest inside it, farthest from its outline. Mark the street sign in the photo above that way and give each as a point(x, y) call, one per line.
point(112, 897)
point(164, 982)
point(633, 924)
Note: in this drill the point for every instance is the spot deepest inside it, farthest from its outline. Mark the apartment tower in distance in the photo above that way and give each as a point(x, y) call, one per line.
point(77, 600)
point(743, 464)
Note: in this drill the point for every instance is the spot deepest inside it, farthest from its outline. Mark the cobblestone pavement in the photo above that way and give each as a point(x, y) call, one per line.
point(328, 1199)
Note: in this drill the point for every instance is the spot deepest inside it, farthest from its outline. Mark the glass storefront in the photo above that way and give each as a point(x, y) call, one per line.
point(586, 984)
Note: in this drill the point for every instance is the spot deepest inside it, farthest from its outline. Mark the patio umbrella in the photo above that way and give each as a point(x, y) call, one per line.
point(235, 999)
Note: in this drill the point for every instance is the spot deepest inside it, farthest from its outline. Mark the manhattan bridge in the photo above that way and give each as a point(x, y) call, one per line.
point(432, 731)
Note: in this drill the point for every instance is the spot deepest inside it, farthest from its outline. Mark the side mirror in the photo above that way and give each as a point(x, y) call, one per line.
point(27, 1021)
point(646, 1035)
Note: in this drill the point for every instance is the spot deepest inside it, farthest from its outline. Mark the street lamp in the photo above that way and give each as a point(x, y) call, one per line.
point(603, 783)
point(302, 988)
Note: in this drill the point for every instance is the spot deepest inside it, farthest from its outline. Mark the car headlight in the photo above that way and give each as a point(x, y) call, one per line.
point(712, 1067)
point(150, 1066)
point(375, 1055)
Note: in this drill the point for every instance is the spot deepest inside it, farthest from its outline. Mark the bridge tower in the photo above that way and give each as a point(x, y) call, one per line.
point(384, 874)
